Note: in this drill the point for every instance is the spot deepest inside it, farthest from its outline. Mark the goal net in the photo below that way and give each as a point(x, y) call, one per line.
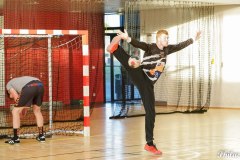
point(59, 58)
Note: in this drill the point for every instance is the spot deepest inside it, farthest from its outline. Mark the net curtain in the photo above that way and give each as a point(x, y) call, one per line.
point(187, 78)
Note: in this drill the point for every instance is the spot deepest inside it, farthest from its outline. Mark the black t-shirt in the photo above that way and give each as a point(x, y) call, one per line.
point(154, 59)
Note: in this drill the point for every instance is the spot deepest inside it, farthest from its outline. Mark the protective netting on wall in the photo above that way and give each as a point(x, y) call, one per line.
point(57, 62)
point(185, 85)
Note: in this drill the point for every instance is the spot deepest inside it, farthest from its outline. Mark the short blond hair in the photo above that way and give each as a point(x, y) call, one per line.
point(160, 32)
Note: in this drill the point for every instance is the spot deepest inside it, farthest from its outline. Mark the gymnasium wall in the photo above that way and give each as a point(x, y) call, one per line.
point(226, 87)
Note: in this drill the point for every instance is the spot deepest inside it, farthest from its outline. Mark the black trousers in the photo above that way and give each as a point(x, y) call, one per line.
point(146, 90)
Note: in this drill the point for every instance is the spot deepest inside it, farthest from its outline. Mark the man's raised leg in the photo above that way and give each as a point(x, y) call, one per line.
point(113, 46)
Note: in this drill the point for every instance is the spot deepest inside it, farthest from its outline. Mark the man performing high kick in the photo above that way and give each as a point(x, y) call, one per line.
point(144, 74)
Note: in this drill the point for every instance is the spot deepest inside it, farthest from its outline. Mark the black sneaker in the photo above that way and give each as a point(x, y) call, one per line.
point(40, 138)
point(13, 141)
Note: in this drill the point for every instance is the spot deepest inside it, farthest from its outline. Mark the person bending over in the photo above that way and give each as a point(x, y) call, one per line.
point(27, 92)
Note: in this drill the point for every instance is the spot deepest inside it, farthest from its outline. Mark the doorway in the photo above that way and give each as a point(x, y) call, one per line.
point(118, 86)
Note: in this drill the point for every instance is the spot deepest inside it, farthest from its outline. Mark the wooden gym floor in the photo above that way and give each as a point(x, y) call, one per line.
point(210, 136)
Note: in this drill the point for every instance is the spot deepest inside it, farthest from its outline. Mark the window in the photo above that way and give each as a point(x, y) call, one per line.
point(112, 20)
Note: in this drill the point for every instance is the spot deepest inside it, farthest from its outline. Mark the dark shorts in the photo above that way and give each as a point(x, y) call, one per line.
point(32, 94)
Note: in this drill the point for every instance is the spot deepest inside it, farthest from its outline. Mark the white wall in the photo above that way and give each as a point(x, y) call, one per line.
point(226, 87)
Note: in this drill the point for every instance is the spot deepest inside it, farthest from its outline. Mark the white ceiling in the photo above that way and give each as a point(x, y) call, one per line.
point(223, 2)
point(116, 5)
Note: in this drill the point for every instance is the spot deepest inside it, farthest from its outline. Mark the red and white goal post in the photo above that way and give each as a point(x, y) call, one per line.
point(85, 59)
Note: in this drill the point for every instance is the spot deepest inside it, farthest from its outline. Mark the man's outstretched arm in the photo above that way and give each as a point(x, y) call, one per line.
point(184, 44)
